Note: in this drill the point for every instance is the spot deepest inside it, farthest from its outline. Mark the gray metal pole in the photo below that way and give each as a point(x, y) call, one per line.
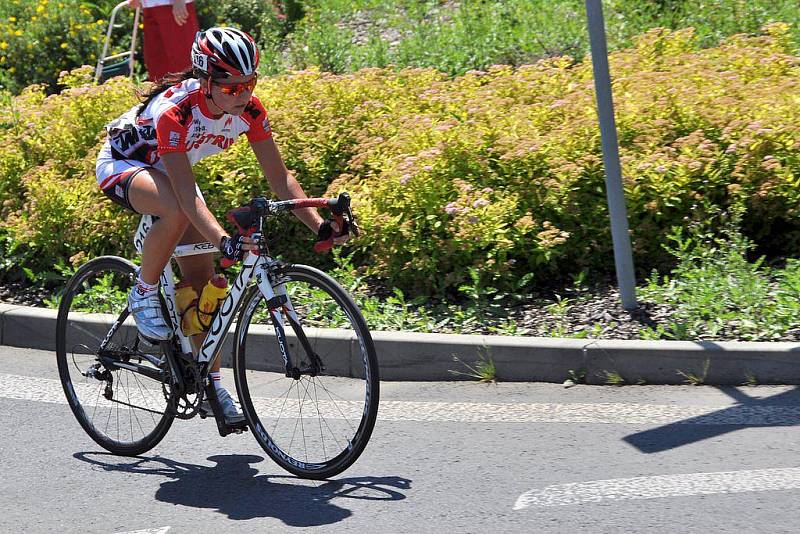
point(623, 258)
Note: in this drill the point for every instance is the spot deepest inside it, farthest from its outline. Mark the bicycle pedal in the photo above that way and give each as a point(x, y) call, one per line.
point(236, 428)
point(240, 426)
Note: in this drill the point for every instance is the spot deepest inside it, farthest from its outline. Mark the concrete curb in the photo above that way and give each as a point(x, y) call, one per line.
point(412, 356)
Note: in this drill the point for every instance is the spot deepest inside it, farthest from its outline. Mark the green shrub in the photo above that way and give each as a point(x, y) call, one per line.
point(717, 293)
point(481, 180)
point(49, 202)
point(454, 37)
point(347, 35)
point(343, 36)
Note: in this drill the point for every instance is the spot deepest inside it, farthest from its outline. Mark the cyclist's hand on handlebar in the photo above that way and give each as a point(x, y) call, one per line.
point(340, 231)
point(234, 247)
point(332, 232)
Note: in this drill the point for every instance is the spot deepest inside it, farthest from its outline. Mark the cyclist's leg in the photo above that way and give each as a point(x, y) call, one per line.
point(198, 270)
point(150, 192)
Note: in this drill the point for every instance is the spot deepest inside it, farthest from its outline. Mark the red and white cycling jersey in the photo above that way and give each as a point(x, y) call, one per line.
point(177, 120)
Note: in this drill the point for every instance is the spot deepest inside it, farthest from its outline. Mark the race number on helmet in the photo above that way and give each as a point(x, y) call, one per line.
point(224, 52)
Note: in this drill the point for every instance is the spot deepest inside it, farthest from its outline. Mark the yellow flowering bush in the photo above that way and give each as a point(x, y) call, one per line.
point(49, 202)
point(41, 38)
point(497, 172)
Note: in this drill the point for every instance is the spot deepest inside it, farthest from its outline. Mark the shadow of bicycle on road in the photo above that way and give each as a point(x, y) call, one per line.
point(778, 410)
point(234, 488)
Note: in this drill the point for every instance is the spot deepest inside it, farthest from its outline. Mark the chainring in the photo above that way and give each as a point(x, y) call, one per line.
point(185, 404)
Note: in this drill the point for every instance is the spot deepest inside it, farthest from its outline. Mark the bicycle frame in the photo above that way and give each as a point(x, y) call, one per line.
point(253, 265)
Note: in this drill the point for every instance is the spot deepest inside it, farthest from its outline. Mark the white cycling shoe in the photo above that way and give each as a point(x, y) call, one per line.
point(148, 316)
point(229, 409)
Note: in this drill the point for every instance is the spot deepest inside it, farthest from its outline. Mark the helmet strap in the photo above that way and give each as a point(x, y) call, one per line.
point(210, 95)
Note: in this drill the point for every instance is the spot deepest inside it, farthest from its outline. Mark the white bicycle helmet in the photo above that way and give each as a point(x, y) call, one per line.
point(222, 52)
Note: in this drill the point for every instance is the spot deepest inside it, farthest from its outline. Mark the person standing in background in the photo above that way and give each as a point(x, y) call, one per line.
point(169, 30)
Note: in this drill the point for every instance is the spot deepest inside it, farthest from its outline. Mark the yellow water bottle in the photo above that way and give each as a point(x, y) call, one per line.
point(212, 296)
point(186, 301)
point(189, 323)
point(184, 295)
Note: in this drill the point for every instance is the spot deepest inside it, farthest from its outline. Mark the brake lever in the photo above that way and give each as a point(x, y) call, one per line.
point(351, 220)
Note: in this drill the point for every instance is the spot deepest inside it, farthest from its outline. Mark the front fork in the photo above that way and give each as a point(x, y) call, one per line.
point(280, 307)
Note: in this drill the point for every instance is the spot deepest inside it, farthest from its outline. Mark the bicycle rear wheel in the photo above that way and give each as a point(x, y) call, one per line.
point(122, 410)
point(315, 424)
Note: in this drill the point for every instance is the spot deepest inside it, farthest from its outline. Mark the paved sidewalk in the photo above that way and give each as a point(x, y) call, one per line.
point(413, 356)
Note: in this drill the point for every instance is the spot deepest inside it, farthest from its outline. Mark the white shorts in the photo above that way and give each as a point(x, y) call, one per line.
point(114, 176)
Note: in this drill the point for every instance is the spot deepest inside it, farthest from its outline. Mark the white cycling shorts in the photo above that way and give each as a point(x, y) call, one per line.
point(114, 176)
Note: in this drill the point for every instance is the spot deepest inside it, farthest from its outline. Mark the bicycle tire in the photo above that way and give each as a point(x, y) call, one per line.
point(104, 283)
point(350, 383)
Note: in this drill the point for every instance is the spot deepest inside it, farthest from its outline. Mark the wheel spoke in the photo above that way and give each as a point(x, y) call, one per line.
point(339, 409)
point(93, 310)
point(77, 326)
point(344, 414)
point(319, 419)
point(285, 398)
point(333, 434)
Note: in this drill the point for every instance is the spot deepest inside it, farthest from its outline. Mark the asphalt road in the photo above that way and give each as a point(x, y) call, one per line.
point(454, 457)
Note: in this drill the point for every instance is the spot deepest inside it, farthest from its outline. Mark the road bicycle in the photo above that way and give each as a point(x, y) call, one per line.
point(308, 385)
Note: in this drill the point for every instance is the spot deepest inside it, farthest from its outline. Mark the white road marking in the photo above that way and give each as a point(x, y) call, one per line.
point(162, 530)
point(661, 486)
point(49, 390)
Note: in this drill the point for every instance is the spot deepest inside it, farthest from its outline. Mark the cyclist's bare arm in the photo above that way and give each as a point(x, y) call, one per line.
point(282, 182)
point(180, 174)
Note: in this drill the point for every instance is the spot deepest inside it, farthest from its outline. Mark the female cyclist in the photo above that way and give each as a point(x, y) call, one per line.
point(146, 166)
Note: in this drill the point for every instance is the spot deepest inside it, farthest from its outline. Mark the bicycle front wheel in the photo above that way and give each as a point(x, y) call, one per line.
point(124, 411)
point(316, 423)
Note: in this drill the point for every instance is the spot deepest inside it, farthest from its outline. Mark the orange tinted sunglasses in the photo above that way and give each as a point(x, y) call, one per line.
point(235, 89)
